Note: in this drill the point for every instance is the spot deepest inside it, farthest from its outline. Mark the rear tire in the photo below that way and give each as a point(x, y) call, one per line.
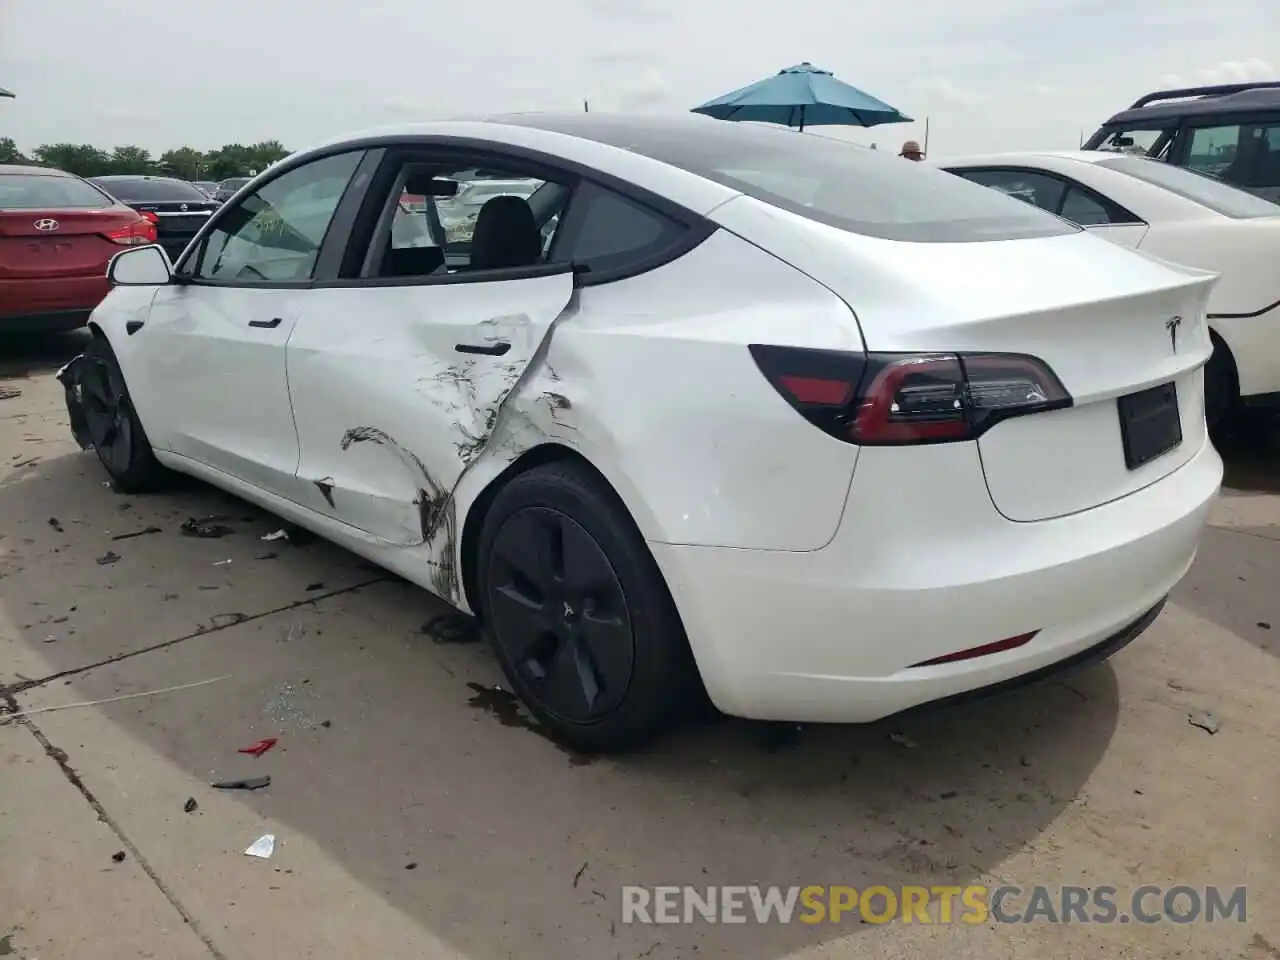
point(114, 428)
point(578, 613)
point(1221, 394)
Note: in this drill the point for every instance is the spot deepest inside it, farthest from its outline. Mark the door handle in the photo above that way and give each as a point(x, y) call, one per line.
point(488, 349)
point(268, 324)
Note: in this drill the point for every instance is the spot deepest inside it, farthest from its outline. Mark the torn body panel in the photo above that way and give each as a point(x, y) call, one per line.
point(71, 376)
point(392, 409)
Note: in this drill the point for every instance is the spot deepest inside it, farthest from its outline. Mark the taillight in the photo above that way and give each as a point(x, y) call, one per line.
point(883, 399)
point(139, 233)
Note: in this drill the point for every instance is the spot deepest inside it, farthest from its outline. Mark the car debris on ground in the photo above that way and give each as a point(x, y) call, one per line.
point(1205, 721)
point(207, 528)
point(263, 847)
point(259, 748)
point(246, 783)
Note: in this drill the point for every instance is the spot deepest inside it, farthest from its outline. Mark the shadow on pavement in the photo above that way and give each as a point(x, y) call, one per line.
point(25, 355)
point(1234, 561)
point(523, 850)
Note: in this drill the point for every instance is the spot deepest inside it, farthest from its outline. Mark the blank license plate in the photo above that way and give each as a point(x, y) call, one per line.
point(1149, 424)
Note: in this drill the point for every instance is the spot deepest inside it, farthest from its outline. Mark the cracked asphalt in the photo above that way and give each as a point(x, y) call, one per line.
point(417, 813)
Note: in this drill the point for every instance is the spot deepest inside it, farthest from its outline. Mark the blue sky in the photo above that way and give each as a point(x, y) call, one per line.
point(990, 74)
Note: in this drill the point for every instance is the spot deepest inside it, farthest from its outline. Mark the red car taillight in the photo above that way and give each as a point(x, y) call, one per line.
point(137, 234)
point(884, 399)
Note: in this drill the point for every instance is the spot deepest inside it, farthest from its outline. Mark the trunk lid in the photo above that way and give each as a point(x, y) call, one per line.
point(68, 243)
point(1101, 316)
point(177, 218)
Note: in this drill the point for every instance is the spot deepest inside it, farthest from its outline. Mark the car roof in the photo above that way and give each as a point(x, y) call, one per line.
point(1026, 156)
point(18, 168)
point(1245, 100)
point(117, 177)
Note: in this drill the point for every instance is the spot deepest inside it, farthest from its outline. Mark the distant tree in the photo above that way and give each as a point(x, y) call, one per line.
point(229, 160)
point(184, 163)
point(131, 159)
point(83, 159)
point(266, 153)
point(9, 152)
point(187, 163)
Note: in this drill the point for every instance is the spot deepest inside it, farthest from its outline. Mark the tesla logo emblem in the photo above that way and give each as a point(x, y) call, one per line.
point(46, 225)
point(183, 208)
point(1172, 325)
point(568, 612)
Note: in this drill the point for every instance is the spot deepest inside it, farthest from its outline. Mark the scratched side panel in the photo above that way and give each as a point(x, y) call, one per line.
point(650, 379)
point(390, 414)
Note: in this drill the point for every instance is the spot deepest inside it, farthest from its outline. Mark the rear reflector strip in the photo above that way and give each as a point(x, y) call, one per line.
point(1012, 643)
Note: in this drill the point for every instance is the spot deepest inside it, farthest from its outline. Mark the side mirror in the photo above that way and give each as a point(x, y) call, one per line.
point(140, 267)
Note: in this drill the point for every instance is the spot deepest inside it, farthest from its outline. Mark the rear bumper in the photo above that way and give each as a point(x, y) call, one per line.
point(921, 567)
point(43, 303)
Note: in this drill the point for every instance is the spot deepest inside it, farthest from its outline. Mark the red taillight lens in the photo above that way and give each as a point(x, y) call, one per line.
point(137, 234)
point(984, 650)
point(890, 399)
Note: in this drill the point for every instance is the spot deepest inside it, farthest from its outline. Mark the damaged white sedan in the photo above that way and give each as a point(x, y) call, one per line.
point(831, 434)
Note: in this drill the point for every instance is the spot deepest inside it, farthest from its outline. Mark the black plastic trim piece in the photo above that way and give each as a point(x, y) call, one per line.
point(1244, 316)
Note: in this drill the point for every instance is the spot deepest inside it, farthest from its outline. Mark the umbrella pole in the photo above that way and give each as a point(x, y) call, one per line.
point(802, 119)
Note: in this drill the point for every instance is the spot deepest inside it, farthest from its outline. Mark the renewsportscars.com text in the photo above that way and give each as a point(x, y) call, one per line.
point(936, 904)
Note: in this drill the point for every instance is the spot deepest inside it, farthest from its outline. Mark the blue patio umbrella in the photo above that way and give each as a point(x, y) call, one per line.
point(801, 95)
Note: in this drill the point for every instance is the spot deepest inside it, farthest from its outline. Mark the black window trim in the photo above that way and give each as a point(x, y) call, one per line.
point(472, 152)
point(333, 250)
point(1069, 184)
point(353, 192)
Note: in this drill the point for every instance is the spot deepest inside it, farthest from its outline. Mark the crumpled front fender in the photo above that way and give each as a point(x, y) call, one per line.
point(71, 377)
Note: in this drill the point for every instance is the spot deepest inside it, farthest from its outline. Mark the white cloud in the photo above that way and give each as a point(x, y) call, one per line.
point(949, 94)
point(1226, 71)
point(989, 74)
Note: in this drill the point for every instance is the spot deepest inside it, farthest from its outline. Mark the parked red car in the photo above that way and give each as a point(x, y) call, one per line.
point(57, 233)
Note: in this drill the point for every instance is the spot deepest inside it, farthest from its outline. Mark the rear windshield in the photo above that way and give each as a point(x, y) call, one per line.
point(831, 181)
point(1136, 142)
point(35, 192)
point(1206, 191)
point(153, 191)
point(232, 184)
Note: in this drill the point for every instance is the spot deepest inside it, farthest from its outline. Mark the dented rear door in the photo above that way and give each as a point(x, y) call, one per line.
point(396, 389)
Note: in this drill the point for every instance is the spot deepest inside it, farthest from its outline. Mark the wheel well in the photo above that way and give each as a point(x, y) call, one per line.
point(1220, 344)
point(534, 457)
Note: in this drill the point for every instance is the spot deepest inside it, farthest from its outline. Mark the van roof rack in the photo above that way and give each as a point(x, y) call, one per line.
point(1215, 90)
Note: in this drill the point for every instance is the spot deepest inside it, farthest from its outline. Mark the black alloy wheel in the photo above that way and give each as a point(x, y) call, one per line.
point(578, 612)
point(108, 415)
point(561, 615)
point(112, 424)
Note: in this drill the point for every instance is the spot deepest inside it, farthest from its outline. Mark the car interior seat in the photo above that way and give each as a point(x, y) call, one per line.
point(411, 261)
point(506, 235)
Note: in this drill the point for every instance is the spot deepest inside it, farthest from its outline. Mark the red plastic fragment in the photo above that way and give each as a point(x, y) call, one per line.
point(259, 748)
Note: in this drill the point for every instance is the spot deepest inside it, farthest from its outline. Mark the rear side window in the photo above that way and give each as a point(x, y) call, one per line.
point(152, 191)
point(608, 233)
point(37, 192)
point(831, 181)
point(1198, 188)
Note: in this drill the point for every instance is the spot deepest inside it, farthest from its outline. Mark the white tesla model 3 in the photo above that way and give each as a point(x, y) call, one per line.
point(833, 434)
point(1179, 215)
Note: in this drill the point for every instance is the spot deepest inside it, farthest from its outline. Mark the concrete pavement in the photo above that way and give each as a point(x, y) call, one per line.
point(418, 814)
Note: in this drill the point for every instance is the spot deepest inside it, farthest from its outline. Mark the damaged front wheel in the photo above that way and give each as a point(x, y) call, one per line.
point(102, 417)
